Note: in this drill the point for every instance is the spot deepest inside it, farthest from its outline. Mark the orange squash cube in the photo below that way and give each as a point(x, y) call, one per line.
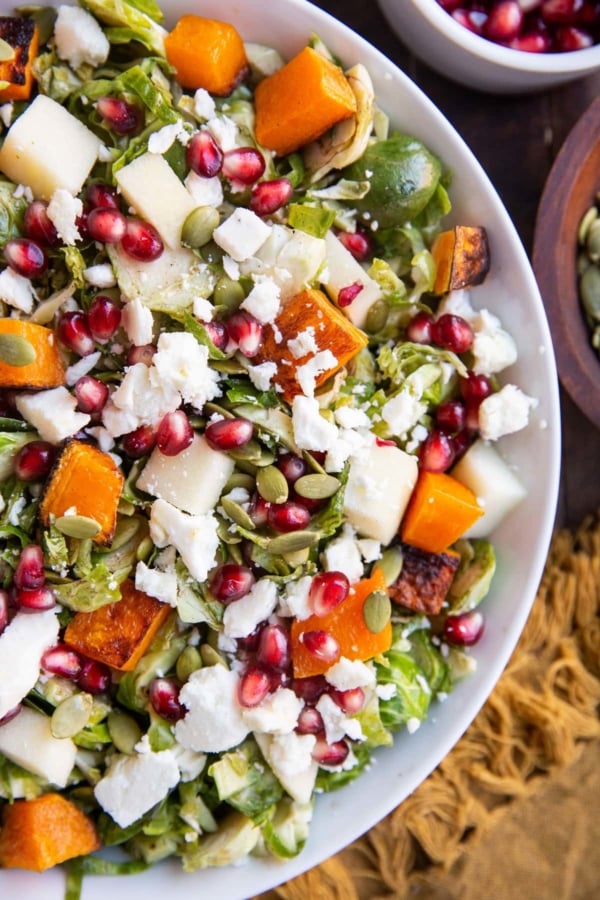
point(47, 369)
point(425, 579)
point(440, 510)
point(22, 35)
point(206, 54)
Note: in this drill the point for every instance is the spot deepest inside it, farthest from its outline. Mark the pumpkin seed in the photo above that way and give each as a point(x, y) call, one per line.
point(210, 657)
point(589, 288)
point(239, 480)
point(293, 541)
point(144, 549)
point(228, 366)
point(272, 485)
point(297, 557)
point(124, 731)
point(124, 532)
point(391, 564)
point(237, 513)
point(224, 534)
point(593, 241)
point(590, 216)
point(583, 263)
point(228, 293)
point(250, 452)
point(6, 51)
point(317, 486)
point(16, 350)
point(267, 458)
point(81, 527)
point(187, 662)
point(377, 610)
point(71, 715)
point(199, 225)
point(377, 316)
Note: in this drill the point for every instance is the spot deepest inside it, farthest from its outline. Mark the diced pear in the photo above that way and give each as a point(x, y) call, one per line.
point(344, 270)
point(292, 259)
point(152, 188)
point(192, 481)
point(171, 282)
point(22, 644)
point(495, 485)
point(28, 741)
point(48, 148)
point(380, 483)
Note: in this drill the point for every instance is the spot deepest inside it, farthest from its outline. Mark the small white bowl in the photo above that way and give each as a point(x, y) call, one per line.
point(454, 51)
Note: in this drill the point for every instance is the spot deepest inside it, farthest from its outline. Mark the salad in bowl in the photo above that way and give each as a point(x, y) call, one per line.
point(258, 404)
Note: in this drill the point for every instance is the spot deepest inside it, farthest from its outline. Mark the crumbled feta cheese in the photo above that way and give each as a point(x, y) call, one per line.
point(162, 585)
point(335, 721)
point(349, 417)
point(294, 600)
point(104, 440)
point(493, 348)
point(137, 320)
point(225, 132)
point(457, 303)
point(214, 720)
point(263, 301)
point(308, 372)
point(413, 724)
point(194, 537)
point(53, 413)
point(290, 757)
point(139, 400)
point(241, 618)
point(347, 674)
point(133, 784)
point(349, 443)
point(17, 291)
point(241, 234)
point(63, 211)
point(387, 691)
point(303, 344)
point(79, 38)
point(22, 644)
point(191, 764)
point(203, 309)
point(231, 268)
point(370, 550)
point(160, 141)
point(504, 412)
point(312, 431)
point(204, 105)
point(342, 554)
point(205, 191)
point(262, 375)
point(276, 714)
point(181, 363)
point(402, 412)
point(81, 368)
point(100, 276)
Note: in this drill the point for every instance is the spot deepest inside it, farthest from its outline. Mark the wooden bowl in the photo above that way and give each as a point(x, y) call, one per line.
point(569, 192)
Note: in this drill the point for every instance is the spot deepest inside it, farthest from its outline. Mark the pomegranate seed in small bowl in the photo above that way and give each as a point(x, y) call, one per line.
point(25, 257)
point(34, 460)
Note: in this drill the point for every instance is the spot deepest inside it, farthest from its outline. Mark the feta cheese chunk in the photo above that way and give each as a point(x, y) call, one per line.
point(276, 714)
point(17, 291)
point(290, 758)
point(181, 363)
point(262, 375)
point(162, 585)
point(63, 211)
point(347, 674)
point(312, 431)
point(53, 413)
point(28, 741)
point(342, 554)
point(337, 723)
point(294, 601)
point(402, 412)
point(204, 191)
point(241, 234)
point(79, 38)
point(140, 399)
point(504, 412)
point(241, 618)
point(137, 322)
point(22, 644)
point(263, 301)
point(214, 720)
point(194, 537)
point(134, 784)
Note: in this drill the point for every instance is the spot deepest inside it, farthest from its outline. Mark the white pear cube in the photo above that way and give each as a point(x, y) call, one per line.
point(495, 485)
point(47, 148)
point(299, 262)
point(192, 481)
point(22, 644)
point(344, 270)
point(152, 188)
point(380, 483)
point(28, 741)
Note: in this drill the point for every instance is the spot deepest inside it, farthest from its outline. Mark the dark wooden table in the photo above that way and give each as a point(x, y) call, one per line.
point(516, 139)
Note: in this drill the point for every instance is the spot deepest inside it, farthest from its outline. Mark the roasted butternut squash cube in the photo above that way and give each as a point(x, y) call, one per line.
point(462, 258)
point(207, 53)
point(118, 634)
point(47, 369)
point(309, 311)
point(441, 509)
point(21, 34)
point(40, 833)
point(87, 482)
point(425, 579)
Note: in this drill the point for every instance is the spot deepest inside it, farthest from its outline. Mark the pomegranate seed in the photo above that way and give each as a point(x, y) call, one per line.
point(348, 294)
point(217, 332)
point(37, 224)
point(358, 243)
point(38, 599)
point(163, 694)
point(142, 353)
point(74, 333)
point(3, 610)
point(174, 433)
point(141, 240)
point(330, 754)
point(98, 194)
point(273, 649)
point(34, 460)
point(322, 645)
point(472, 415)
point(436, 453)
point(350, 701)
point(203, 154)
point(461, 442)
point(293, 467)
point(534, 42)
point(288, 516)
point(94, 677)
point(258, 510)
point(104, 317)
point(246, 332)
point(569, 39)
point(243, 164)
point(475, 387)
point(62, 660)
point(384, 442)
point(450, 416)
point(26, 257)
point(472, 21)
point(230, 582)
point(450, 5)
point(140, 442)
point(452, 332)
point(563, 11)
point(29, 572)
point(419, 328)
point(269, 196)
point(504, 21)
point(11, 714)
point(228, 434)
point(91, 394)
point(310, 721)
point(328, 590)
point(310, 688)
point(119, 115)
point(464, 629)
point(249, 644)
point(254, 686)
point(106, 225)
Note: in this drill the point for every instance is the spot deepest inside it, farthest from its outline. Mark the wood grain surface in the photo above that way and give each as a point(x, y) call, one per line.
point(516, 138)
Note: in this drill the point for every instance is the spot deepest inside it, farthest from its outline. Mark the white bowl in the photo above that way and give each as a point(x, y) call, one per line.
point(521, 542)
point(433, 35)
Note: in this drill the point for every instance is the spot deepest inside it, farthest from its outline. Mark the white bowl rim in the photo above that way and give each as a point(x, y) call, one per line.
point(518, 60)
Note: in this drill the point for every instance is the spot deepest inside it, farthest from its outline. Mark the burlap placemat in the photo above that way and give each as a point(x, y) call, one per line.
point(512, 811)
